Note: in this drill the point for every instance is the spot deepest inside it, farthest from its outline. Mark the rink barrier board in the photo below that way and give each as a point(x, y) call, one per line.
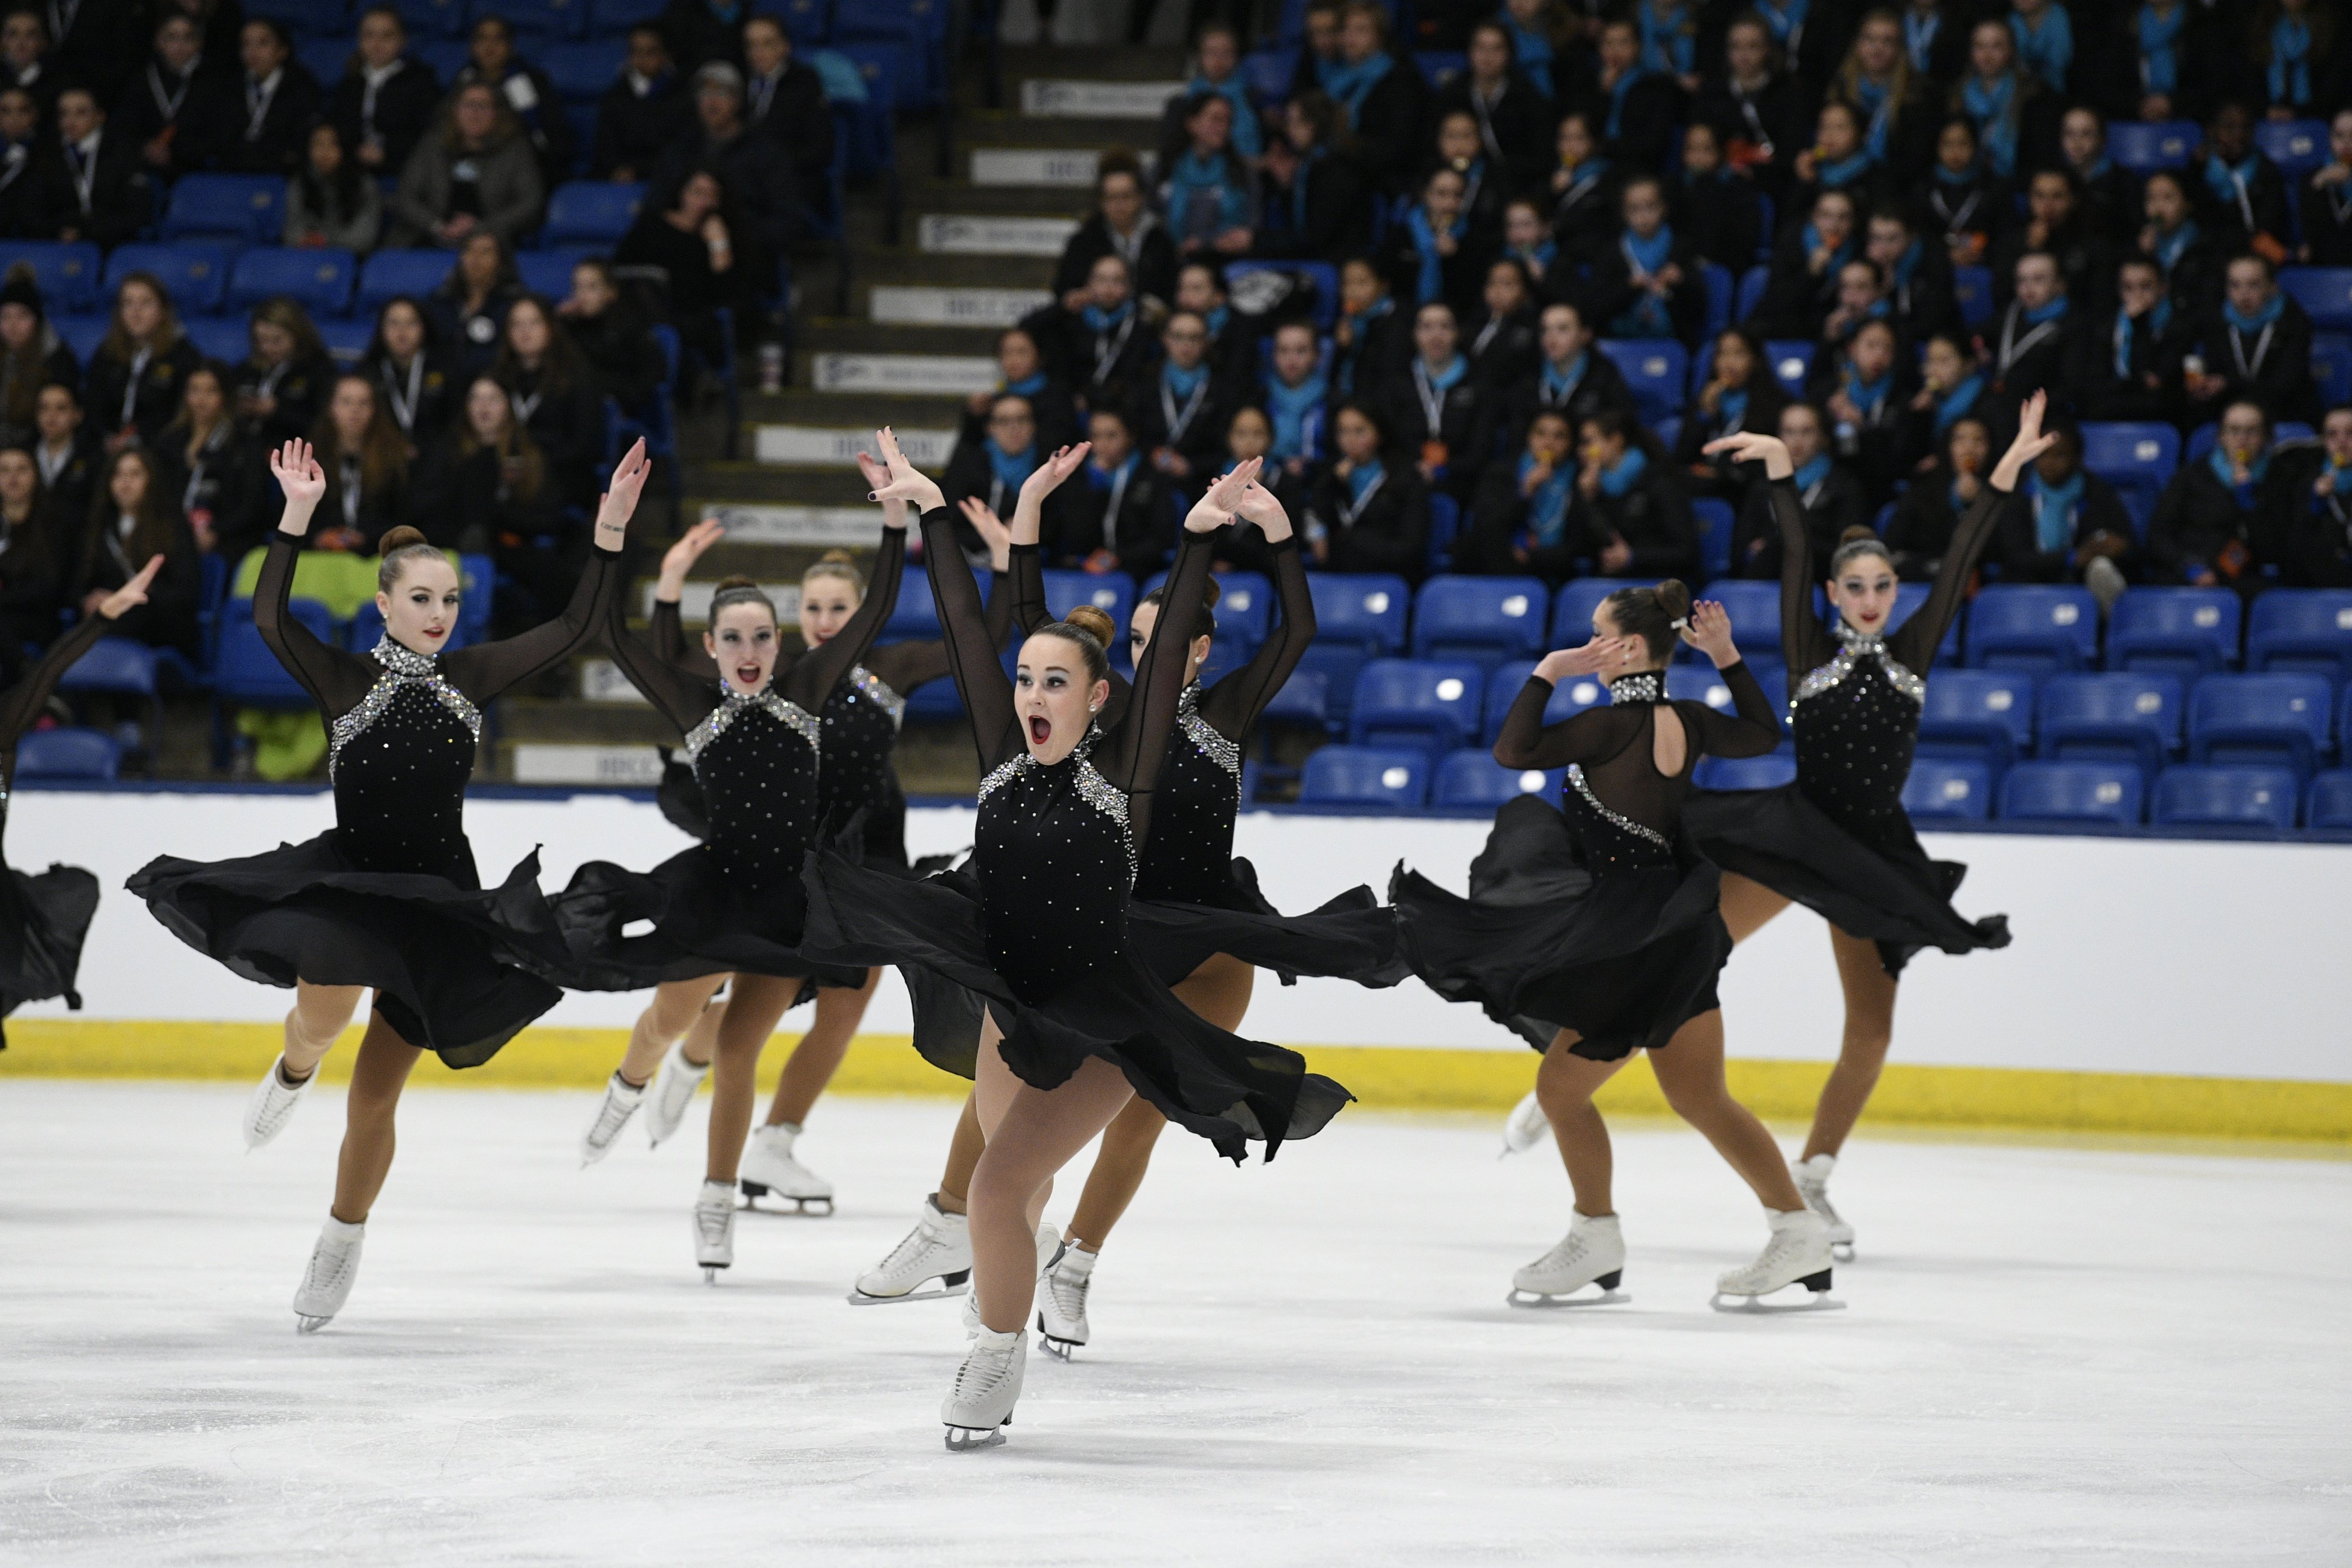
point(1382, 1078)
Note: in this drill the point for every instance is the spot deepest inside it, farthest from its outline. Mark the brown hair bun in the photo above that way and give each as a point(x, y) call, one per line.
point(398, 538)
point(1095, 623)
point(1675, 599)
point(736, 581)
point(1857, 532)
point(395, 550)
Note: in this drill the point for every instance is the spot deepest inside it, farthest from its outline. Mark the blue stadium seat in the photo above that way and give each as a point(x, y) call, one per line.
point(2088, 794)
point(82, 333)
point(2296, 146)
point(390, 272)
point(807, 22)
point(614, 18)
point(1245, 606)
point(1950, 788)
point(2138, 459)
point(2325, 292)
point(439, 18)
point(250, 208)
point(581, 71)
point(1792, 359)
point(1438, 66)
point(1325, 277)
point(2030, 626)
point(1754, 611)
point(1366, 779)
point(228, 339)
point(114, 664)
point(1986, 714)
point(1473, 779)
point(2142, 148)
point(1572, 608)
point(1113, 592)
point(2257, 797)
point(318, 280)
point(1752, 284)
point(366, 628)
point(1444, 525)
point(1719, 289)
point(2114, 714)
point(66, 275)
point(1768, 772)
point(1972, 294)
point(67, 754)
point(2186, 631)
point(1568, 698)
point(1482, 619)
point(920, 25)
point(1669, 432)
point(1304, 699)
point(1657, 370)
point(916, 615)
point(549, 272)
point(591, 212)
point(1703, 683)
point(448, 56)
point(2331, 367)
point(1337, 664)
point(2277, 718)
point(194, 272)
point(1717, 524)
point(325, 58)
point(1367, 609)
point(1431, 703)
point(475, 576)
point(304, 15)
point(539, 23)
point(2302, 628)
point(2328, 809)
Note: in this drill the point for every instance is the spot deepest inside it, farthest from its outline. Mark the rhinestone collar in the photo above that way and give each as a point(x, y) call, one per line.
point(402, 667)
point(1093, 788)
point(877, 691)
point(1643, 688)
point(735, 704)
point(1857, 647)
point(1226, 754)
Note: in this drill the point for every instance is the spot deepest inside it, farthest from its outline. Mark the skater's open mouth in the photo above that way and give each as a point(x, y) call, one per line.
point(747, 675)
point(1040, 728)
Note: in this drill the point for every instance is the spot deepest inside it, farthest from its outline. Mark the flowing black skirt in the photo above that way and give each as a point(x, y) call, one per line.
point(699, 924)
point(1542, 944)
point(451, 965)
point(44, 919)
point(1351, 938)
point(1884, 891)
point(1206, 1080)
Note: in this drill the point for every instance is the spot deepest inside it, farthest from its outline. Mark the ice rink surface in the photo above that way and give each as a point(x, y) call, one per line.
point(2050, 1356)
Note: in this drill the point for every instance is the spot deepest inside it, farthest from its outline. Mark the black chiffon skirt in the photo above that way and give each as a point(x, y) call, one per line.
point(44, 919)
point(1883, 890)
point(1351, 938)
point(1625, 958)
point(451, 965)
point(1226, 1088)
point(700, 922)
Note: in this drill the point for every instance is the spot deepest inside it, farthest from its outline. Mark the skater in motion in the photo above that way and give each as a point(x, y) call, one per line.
point(44, 917)
point(727, 910)
point(389, 898)
point(1595, 933)
point(1041, 998)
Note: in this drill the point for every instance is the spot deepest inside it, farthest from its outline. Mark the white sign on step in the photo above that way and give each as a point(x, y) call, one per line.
point(537, 762)
point(818, 446)
point(601, 680)
point(1098, 99)
point(957, 234)
point(945, 375)
point(820, 527)
point(694, 601)
point(1072, 168)
point(898, 306)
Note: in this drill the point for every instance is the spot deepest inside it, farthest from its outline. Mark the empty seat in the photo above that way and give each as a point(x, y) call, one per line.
point(1445, 526)
point(2331, 367)
point(1245, 603)
point(1337, 664)
point(1367, 609)
point(228, 339)
point(392, 272)
point(1705, 683)
point(320, 279)
point(2044, 629)
point(548, 272)
point(1112, 593)
point(2136, 457)
point(245, 674)
point(2302, 628)
point(434, 18)
point(1365, 778)
point(2141, 147)
point(67, 754)
point(1768, 771)
point(1657, 370)
point(543, 21)
point(1572, 608)
point(1483, 619)
point(2186, 631)
point(66, 274)
point(2115, 714)
point(1717, 524)
point(806, 21)
point(2328, 809)
point(1972, 294)
point(2243, 797)
point(1568, 698)
point(1755, 611)
point(2323, 292)
point(1750, 291)
point(591, 212)
point(1431, 703)
point(1986, 714)
point(1472, 778)
point(1792, 359)
point(581, 71)
point(1304, 699)
point(193, 272)
point(114, 664)
point(2296, 146)
point(1952, 788)
point(250, 208)
point(1720, 288)
point(2281, 718)
point(2088, 794)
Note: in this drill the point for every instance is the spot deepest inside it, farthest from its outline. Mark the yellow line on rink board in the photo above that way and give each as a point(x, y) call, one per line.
point(1383, 1078)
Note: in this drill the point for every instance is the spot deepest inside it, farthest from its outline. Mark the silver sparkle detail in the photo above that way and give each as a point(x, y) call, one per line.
point(1226, 754)
point(877, 691)
point(402, 667)
point(1576, 781)
point(1643, 688)
point(734, 705)
point(1859, 645)
point(1093, 788)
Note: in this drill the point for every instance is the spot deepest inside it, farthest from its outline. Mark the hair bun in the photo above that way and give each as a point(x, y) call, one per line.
point(1093, 622)
point(1859, 531)
point(837, 556)
point(1675, 599)
point(398, 538)
point(737, 581)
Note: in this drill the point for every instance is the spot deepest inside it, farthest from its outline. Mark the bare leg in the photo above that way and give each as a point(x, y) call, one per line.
point(817, 1058)
point(377, 1078)
point(318, 1016)
point(1565, 1085)
point(1748, 906)
point(964, 1154)
point(1690, 1070)
point(676, 1007)
point(1869, 1030)
point(993, 1093)
point(1035, 1135)
point(749, 1016)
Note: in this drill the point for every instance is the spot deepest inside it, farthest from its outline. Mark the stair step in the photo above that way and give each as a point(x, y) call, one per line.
point(863, 410)
point(1068, 99)
point(810, 527)
point(954, 375)
point(925, 306)
point(840, 334)
point(836, 447)
point(985, 128)
point(1059, 168)
point(1129, 62)
point(910, 267)
point(569, 762)
point(974, 234)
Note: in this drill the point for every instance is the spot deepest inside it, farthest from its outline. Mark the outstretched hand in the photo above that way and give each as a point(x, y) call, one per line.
point(1260, 505)
point(1750, 446)
point(298, 475)
point(991, 531)
point(620, 502)
point(1047, 476)
point(2030, 444)
point(906, 483)
point(1709, 631)
point(1222, 498)
point(877, 480)
point(679, 559)
point(121, 602)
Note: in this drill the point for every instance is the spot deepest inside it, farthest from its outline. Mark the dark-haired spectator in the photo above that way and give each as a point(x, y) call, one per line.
point(2172, 235)
point(1647, 285)
point(383, 104)
point(612, 335)
point(1804, 40)
point(1512, 114)
point(1022, 370)
point(283, 381)
point(1205, 186)
point(2217, 524)
point(1099, 347)
point(2326, 200)
point(2054, 222)
point(2110, 195)
point(990, 462)
point(1119, 516)
point(1754, 107)
point(213, 469)
point(134, 518)
point(1436, 416)
point(2032, 344)
point(1630, 517)
point(1297, 397)
point(1831, 498)
point(24, 62)
point(692, 241)
point(525, 91)
point(1122, 224)
point(66, 455)
point(1890, 96)
point(31, 355)
point(1431, 256)
point(366, 464)
point(643, 112)
point(1864, 392)
point(32, 590)
point(2065, 524)
point(256, 121)
point(21, 201)
point(1961, 200)
point(1541, 36)
point(555, 396)
point(486, 489)
point(753, 172)
point(331, 201)
point(2295, 50)
point(1503, 329)
point(476, 172)
point(93, 184)
point(1633, 107)
point(1740, 392)
point(1669, 34)
point(1915, 277)
point(1802, 287)
point(414, 376)
point(1571, 376)
point(1232, 337)
point(1367, 512)
point(2131, 366)
point(134, 376)
point(153, 112)
point(2317, 487)
point(1838, 159)
point(1929, 512)
point(1713, 208)
point(1951, 386)
point(1529, 243)
point(2002, 101)
point(1380, 95)
point(1583, 187)
point(1216, 67)
point(217, 23)
point(2256, 346)
point(1371, 339)
point(1484, 182)
point(471, 303)
point(2241, 194)
point(1315, 204)
point(1178, 415)
point(783, 100)
point(1520, 521)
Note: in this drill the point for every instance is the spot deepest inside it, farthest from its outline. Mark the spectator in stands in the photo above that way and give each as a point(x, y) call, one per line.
point(471, 303)
point(2054, 222)
point(1232, 337)
point(383, 104)
point(2110, 195)
point(1648, 285)
point(1585, 212)
point(1541, 38)
point(1753, 106)
point(1122, 224)
point(1512, 114)
point(2173, 237)
point(2002, 103)
point(1832, 497)
point(31, 591)
point(255, 121)
point(2044, 36)
point(474, 173)
point(1098, 346)
point(989, 465)
point(1838, 159)
point(1739, 392)
point(1371, 335)
point(1380, 95)
point(414, 375)
point(1315, 204)
point(1635, 106)
point(1864, 391)
point(2219, 522)
point(1805, 265)
point(2033, 347)
point(1715, 209)
point(1216, 67)
point(1483, 181)
point(1503, 329)
point(1431, 256)
point(217, 24)
point(89, 37)
point(2317, 486)
point(2132, 361)
point(213, 469)
point(132, 519)
point(612, 335)
point(20, 187)
point(93, 186)
point(785, 101)
point(525, 92)
point(31, 354)
point(366, 464)
point(1914, 278)
point(489, 491)
point(1888, 95)
point(1366, 511)
point(555, 396)
point(1669, 34)
point(25, 58)
point(1933, 503)
point(642, 114)
point(692, 241)
point(1022, 370)
point(701, 31)
point(2327, 202)
point(1119, 516)
point(1297, 399)
point(1177, 417)
point(332, 201)
point(283, 383)
point(1861, 297)
point(1951, 384)
point(2167, 71)
point(1962, 200)
point(1205, 188)
point(2241, 199)
point(2257, 346)
point(1437, 417)
point(1630, 517)
point(2064, 525)
point(1527, 241)
point(751, 169)
point(1571, 376)
point(66, 458)
point(135, 375)
point(2294, 47)
point(152, 113)
point(1519, 522)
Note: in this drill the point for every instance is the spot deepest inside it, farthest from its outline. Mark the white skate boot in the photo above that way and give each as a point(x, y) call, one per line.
point(620, 1102)
point(1527, 1127)
point(1062, 1301)
point(939, 1248)
point(1049, 1252)
point(769, 1167)
point(1798, 1254)
point(979, 1406)
point(326, 1283)
point(675, 1083)
point(1813, 1180)
point(273, 1103)
point(714, 1229)
point(1591, 1253)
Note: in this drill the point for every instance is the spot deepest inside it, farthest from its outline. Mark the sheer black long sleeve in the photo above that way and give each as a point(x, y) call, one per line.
point(485, 671)
point(336, 679)
point(1804, 641)
point(1750, 729)
point(661, 668)
point(971, 651)
point(1914, 643)
point(1141, 743)
point(1597, 734)
point(904, 665)
point(813, 676)
point(1232, 705)
point(21, 704)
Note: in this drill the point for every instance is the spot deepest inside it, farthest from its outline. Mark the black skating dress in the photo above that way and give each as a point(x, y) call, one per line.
point(389, 898)
point(1035, 930)
point(1193, 898)
point(1838, 840)
point(44, 916)
point(1601, 920)
point(731, 904)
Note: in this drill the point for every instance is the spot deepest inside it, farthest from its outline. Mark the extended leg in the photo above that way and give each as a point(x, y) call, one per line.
point(753, 1009)
point(1862, 1055)
point(1690, 1070)
point(810, 1066)
point(378, 1075)
point(1566, 1084)
point(313, 1025)
point(1748, 906)
point(676, 1007)
point(964, 1154)
point(1036, 1134)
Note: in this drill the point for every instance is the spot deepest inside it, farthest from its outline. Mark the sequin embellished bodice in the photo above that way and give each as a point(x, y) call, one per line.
point(1189, 859)
point(1056, 863)
point(861, 731)
point(756, 759)
point(400, 762)
point(1856, 720)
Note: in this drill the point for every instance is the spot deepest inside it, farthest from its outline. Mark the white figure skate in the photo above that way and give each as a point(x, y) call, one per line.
point(674, 1087)
point(980, 1406)
point(1591, 1253)
point(1796, 1254)
point(274, 1103)
point(1812, 1178)
point(714, 1229)
point(770, 1167)
point(939, 1248)
point(1062, 1301)
point(1525, 1126)
point(620, 1102)
point(326, 1283)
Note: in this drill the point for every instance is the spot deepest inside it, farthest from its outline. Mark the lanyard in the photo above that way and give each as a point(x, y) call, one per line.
point(2246, 371)
point(167, 104)
point(764, 90)
point(1485, 335)
point(350, 477)
point(1107, 346)
point(115, 536)
point(1754, 120)
point(273, 376)
point(1350, 511)
point(375, 81)
point(1953, 220)
point(1432, 401)
point(83, 166)
point(198, 477)
point(1111, 507)
point(404, 409)
point(62, 19)
point(1483, 107)
point(1179, 422)
point(2012, 346)
point(2245, 204)
point(51, 467)
point(525, 406)
point(258, 97)
point(131, 382)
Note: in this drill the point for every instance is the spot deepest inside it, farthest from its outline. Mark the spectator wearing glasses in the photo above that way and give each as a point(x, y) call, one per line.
point(2219, 522)
point(1098, 346)
point(1022, 371)
point(988, 464)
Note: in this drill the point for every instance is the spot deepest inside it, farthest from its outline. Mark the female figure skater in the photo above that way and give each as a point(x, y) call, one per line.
point(1039, 994)
point(44, 918)
point(732, 906)
point(389, 898)
point(1596, 934)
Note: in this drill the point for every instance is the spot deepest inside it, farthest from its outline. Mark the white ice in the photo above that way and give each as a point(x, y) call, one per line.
point(2050, 1355)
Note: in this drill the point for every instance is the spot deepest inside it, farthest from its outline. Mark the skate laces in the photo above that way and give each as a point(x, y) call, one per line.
point(1069, 1290)
point(713, 1218)
point(913, 1245)
point(985, 1368)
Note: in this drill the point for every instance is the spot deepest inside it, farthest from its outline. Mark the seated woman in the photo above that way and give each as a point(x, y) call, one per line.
point(1020, 372)
point(330, 201)
point(2219, 522)
point(1583, 187)
point(555, 396)
point(1803, 284)
point(1630, 517)
point(1961, 200)
point(2065, 526)
point(2110, 192)
point(2174, 239)
point(416, 378)
point(383, 105)
point(33, 560)
point(1951, 382)
point(1371, 340)
point(2129, 367)
point(476, 174)
point(2241, 196)
point(1503, 350)
point(359, 450)
point(1838, 159)
point(1512, 114)
point(1714, 207)
point(1484, 183)
point(1431, 256)
point(1864, 392)
point(1571, 376)
point(282, 385)
point(32, 355)
point(1436, 416)
point(213, 471)
point(2056, 221)
point(1232, 337)
point(1914, 277)
point(134, 518)
point(1315, 199)
point(2328, 200)
point(1366, 511)
point(1099, 347)
point(1519, 522)
point(1832, 497)
point(471, 302)
point(486, 489)
point(2004, 103)
point(1205, 189)
point(1527, 241)
point(990, 460)
point(132, 385)
point(1741, 393)
point(1297, 396)
point(1637, 105)
point(693, 243)
point(612, 337)
point(1920, 533)
point(1648, 285)
point(2317, 488)
point(1178, 416)
point(1117, 517)
point(1122, 224)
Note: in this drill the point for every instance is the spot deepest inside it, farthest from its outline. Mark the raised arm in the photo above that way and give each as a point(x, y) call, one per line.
point(814, 676)
point(676, 693)
point(335, 679)
point(1803, 642)
point(1233, 706)
point(1752, 729)
point(1018, 540)
point(670, 643)
point(904, 665)
point(21, 704)
point(971, 655)
point(1525, 741)
point(1914, 644)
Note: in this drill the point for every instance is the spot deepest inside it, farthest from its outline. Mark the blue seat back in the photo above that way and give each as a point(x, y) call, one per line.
point(1370, 609)
point(436, 18)
point(549, 272)
point(194, 272)
point(304, 16)
point(246, 207)
point(1473, 779)
point(390, 272)
point(2325, 292)
point(1656, 369)
point(1703, 683)
point(2033, 627)
point(2329, 807)
point(366, 628)
point(1483, 619)
point(2301, 628)
point(1792, 359)
point(66, 274)
point(318, 280)
point(2135, 714)
point(591, 212)
point(1246, 602)
point(1367, 778)
point(1415, 702)
point(2091, 793)
point(2136, 457)
point(2141, 147)
point(2275, 716)
point(1568, 698)
point(1989, 713)
point(1953, 788)
point(1908, 599)
point(1751, 294)
point(2238, 796)
point(1755, 611)
point(1972, 294)
point(112, 664)
point(807, 22)
point(1304, 699)
point(1112, 593)
point(2296, 146)
point(1717, 524)
point(67, 754)
point(2188, 631)
point(227, 339)
point(614, 18)
point(1445, 526)
point(246, 673)
point(1572, 608)
point(1720, 288)
point(2331, 367)
point(1768, 772)
point(542, 22)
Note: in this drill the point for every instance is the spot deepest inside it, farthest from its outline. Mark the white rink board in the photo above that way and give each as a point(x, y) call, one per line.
point(1098, 99)
point(946, 375)
point(2134, 956)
